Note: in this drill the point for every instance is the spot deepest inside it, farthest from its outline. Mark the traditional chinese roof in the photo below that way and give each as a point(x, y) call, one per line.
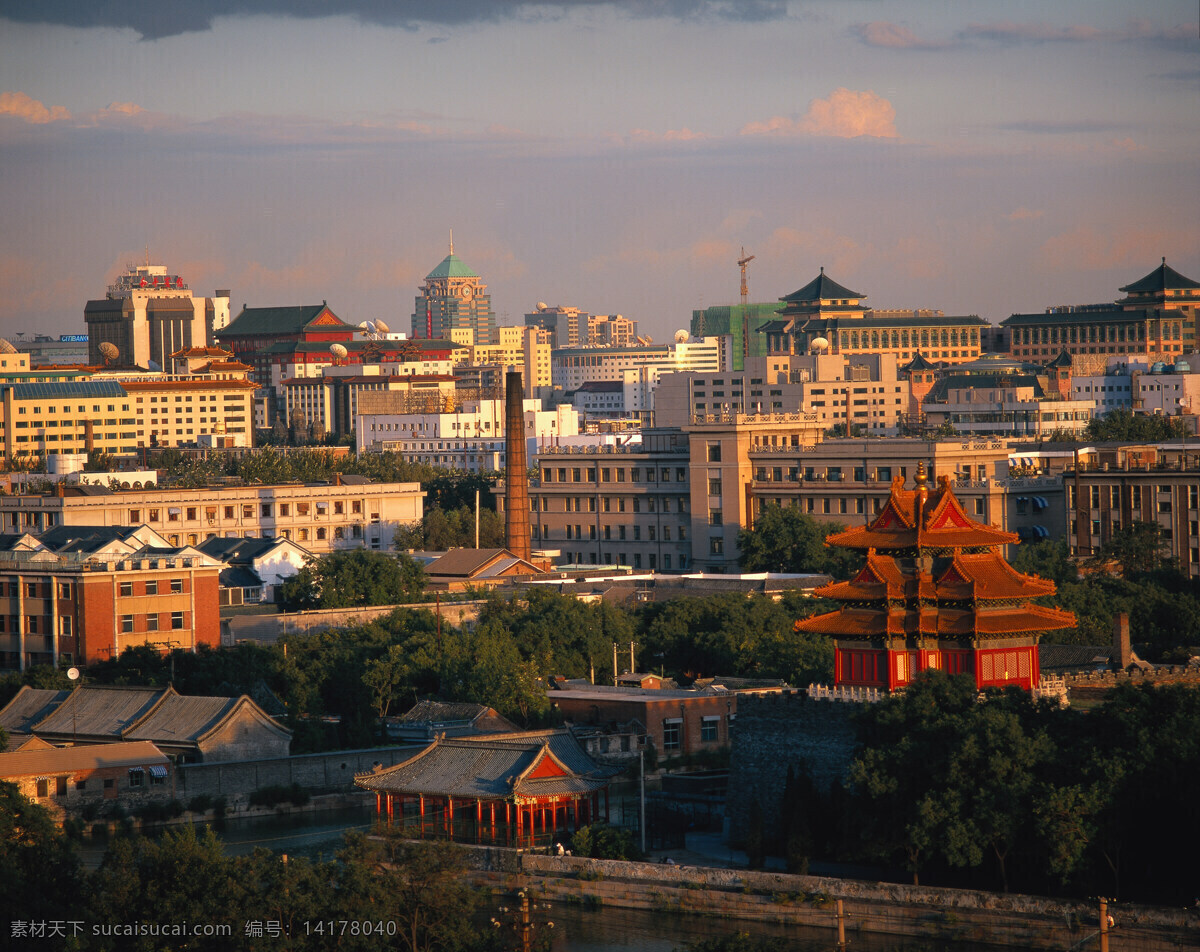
point(452, 266)
point(29, 762)
point(919, 519)
point(520, 767)
point(936, 621)
point(1162, 278)
point(269, 321)
point(821, 288)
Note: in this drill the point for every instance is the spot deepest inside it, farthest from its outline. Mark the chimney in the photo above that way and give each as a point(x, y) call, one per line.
point(1122, 652)
point(516, 474)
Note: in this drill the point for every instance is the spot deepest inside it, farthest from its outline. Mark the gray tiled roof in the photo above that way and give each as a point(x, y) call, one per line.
point(29, 706)
point(182, 719)
point(99, 711)
point(30, 762)
point(490, 767)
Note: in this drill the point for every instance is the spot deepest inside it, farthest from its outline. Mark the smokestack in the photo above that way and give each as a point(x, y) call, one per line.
point(1122, 651)
point(516, 474)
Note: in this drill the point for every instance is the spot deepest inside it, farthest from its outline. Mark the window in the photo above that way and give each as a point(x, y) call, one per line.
point(152, 587)
point(137, 776)
point(709, 729)
point(191, 513)
point(152, 622)
point(714, 452)
point(135, 516)
point(716, 546)
point(673, 734)
point(176, 586)
point(126, 589)
point(127, 624)
point(285, 509)
point(176, 620)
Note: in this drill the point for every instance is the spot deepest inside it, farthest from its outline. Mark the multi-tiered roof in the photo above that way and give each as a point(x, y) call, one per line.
point(935, 592)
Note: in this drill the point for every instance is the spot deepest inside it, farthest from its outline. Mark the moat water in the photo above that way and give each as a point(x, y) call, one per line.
point(577, 928)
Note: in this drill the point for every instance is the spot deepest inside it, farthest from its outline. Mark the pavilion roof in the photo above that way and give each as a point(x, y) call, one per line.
point(517, 766)
point(970, 576)
point(919, 519)
point(935, 621)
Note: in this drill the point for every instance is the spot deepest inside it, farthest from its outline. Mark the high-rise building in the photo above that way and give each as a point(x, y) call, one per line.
point(149, 314)
point(453, 297)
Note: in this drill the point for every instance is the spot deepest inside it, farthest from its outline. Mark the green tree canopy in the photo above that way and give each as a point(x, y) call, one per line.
point(1125, 425)
point(784, 539)
point(351, 578)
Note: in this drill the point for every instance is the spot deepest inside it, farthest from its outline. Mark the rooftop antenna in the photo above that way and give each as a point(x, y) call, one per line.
point(451, 241)
point(742, 262)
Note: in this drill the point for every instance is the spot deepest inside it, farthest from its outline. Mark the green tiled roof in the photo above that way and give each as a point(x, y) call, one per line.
point(273, 320)
point(1162, 278)
point(1105, 315)
point(822, 288)
point(452, 267)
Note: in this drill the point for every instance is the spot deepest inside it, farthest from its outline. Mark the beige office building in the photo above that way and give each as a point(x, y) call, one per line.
point(347, 513)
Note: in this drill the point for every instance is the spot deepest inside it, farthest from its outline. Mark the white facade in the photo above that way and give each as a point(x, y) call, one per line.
point(574, 365)
point(1107, 391)
point(471, 440)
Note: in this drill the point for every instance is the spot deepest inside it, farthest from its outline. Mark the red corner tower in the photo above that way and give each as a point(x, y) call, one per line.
point(935, 593)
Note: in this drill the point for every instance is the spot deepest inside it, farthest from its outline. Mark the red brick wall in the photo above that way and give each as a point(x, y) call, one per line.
point(207, 623)
point(653, 712)
point(97, 617)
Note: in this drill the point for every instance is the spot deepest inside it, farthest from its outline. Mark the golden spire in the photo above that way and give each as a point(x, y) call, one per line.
point(451, 241)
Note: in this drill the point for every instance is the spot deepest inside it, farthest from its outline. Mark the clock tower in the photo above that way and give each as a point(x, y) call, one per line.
point(453, 297)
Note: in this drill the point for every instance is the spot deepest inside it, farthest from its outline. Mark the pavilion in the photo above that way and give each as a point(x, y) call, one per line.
point(517, 789)
point(935, 592)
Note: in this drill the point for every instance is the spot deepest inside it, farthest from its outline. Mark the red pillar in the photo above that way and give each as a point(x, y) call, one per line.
point(450, 815)
point(554, 817)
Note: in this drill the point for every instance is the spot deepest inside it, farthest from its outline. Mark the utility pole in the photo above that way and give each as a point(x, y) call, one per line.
point(841, 921)
point(632, 664)
point(614, 664)
point(1104, 919)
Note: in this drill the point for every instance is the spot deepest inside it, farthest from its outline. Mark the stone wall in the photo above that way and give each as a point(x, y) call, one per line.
point(773, 732)
point(318, 773)
point(1026, 922)
point(268, 629)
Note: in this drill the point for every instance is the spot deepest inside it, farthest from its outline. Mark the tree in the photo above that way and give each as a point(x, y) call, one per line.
point(784, 539)
point(39, 871)
point(354, 577)
point(1125, 425)
point(1138, 547)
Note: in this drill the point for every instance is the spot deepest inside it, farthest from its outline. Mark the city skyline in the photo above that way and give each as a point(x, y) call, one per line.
point(978, 158)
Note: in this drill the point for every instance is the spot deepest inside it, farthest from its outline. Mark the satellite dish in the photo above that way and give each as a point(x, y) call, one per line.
point(819, 345)
point(73, 673)
point(362, 325)
point(154, 365)
point(109, 350)
point(6, 347)
point(541, 305)
point(681, 336)
point(338, 350)
point(381, 327)
point(370, 327)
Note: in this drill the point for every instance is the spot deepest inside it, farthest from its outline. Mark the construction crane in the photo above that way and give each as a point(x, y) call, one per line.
point(742, 262)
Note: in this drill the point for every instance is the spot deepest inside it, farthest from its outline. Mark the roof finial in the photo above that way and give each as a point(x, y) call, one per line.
point(451, 241)
point(1164, 261)
point(921, 479)
point(822, 269)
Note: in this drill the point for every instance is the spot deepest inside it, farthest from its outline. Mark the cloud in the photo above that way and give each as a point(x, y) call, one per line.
point(892, 36)
point(1009, 33)
point(154, 21)
point(25, 107)
point(846, 113)
point(1024, 214)
point(1087, 249)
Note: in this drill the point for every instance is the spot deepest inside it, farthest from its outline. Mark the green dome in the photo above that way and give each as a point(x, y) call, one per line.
point(452, 267)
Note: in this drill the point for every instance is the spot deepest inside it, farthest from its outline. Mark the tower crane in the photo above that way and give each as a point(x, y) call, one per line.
point(742, 262)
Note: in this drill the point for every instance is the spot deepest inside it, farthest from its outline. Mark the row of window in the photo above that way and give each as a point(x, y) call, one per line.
point(620, 474)
point(245, 510)
point(36, 624)
point(622, 558)
point(1092, 333)
point(618, 533)
point(150, 622)
point(152, 587)
point(137, 778)
point(1111, 496)
point(615, 503)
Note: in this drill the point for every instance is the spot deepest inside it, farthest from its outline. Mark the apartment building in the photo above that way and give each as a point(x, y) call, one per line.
point(86, 607)
point(347, 513)
point(332, 401)
point(1116, 486)
point(863, 392)
point(470, 439)
point(573, 366)
point(849, 481)
point(627, 502)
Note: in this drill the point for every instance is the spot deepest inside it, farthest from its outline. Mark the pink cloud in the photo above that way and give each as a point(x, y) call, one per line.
point(845, 113)
point(891, 36)
point(25, 107)
point(1024, 214)
point(1087, 249)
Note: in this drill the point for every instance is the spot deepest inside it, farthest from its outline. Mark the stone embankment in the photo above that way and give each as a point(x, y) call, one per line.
point(1025, 922)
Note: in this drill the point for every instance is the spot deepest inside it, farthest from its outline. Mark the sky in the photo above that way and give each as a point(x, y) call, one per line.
point(983, 157)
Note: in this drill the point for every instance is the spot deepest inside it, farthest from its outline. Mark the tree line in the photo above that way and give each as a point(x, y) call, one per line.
point(1013, 794)
point(506, 661)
